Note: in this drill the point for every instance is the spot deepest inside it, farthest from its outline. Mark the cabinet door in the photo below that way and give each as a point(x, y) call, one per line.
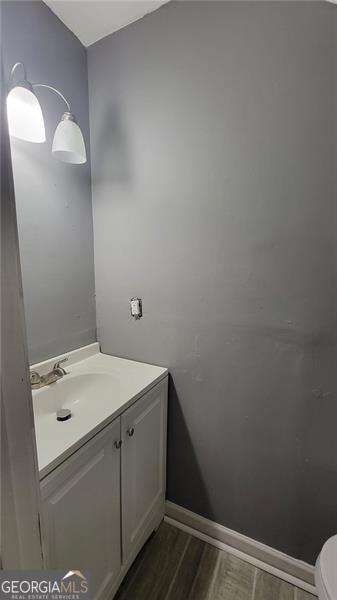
point(143, 467)
point(81, 512)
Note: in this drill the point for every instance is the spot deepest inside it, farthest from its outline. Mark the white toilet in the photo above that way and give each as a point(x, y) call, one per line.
point(326, 571)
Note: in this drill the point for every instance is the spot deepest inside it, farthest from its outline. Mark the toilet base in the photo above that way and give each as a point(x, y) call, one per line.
point(322, 593)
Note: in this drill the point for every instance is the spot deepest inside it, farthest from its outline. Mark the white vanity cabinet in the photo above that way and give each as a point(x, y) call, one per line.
point(143, 467)
point(101, 504)
point(81, 512)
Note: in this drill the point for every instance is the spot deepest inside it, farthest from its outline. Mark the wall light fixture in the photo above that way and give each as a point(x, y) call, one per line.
point(25, 120)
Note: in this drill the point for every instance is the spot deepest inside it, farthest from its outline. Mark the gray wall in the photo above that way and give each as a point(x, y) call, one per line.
point(213, 165)
point(53, 199)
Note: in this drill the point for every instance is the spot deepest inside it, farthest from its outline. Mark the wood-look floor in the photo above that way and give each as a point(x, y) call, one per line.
point(176, 566)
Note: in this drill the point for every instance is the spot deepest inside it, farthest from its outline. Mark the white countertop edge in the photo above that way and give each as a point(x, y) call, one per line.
point(74, 356)
point(45, 471)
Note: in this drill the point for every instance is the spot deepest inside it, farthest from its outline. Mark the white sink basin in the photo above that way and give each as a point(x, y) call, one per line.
point(97, 388)
point(83, 394)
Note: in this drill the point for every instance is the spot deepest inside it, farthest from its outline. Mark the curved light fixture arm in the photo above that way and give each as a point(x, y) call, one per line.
point(50, 87)
point(35, 85)
point(14, 67)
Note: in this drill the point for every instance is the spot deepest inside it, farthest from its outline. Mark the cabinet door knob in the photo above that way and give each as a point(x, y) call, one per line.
point(131, 431)
point(118, 444)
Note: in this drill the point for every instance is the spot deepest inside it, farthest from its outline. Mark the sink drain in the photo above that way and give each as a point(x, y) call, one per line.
point(63, 415)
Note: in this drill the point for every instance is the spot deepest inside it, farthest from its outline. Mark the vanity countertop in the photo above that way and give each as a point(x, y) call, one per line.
point(97, 388)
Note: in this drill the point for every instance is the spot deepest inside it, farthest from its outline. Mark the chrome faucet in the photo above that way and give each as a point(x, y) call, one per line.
point(38, 381)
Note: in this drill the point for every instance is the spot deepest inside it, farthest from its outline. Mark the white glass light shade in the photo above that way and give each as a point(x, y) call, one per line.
point(25, 118)
point(68, 143)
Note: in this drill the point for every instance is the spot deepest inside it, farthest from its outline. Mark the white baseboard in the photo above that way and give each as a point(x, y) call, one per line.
point(268, 559)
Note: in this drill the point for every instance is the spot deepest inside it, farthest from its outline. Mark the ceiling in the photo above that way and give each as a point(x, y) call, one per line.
point(91, 20)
